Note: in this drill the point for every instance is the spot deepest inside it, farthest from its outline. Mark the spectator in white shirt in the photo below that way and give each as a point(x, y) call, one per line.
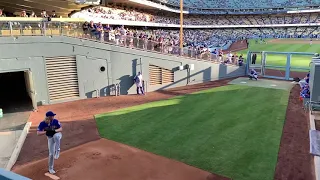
point(229, 57)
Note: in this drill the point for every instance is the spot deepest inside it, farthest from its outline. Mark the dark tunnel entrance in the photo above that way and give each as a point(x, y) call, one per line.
point(15, 102)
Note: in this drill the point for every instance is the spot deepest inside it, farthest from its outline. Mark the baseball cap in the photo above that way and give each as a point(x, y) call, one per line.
point(50, 113)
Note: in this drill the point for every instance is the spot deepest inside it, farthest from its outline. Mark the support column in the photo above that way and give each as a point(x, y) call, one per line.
point(248, 62)
point(287, 76)
point(263, 63)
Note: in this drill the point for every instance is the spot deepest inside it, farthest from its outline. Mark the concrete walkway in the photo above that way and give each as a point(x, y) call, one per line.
point(13, 131)
point(8, 140)
point(265, 83)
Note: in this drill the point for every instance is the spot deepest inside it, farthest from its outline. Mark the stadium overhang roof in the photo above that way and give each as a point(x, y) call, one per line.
point(62, 7)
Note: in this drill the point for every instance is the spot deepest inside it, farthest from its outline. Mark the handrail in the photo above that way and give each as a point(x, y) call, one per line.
point(30, 19)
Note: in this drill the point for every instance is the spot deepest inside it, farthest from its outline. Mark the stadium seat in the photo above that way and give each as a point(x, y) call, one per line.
point(5, 33)
point(16, 32)
point(37, 32)
point(27, 32)
point(53, 32)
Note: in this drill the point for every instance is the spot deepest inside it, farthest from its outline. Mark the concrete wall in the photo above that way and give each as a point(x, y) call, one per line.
point(315, 81)
point(122, 64)
point(8, 175)
point(126, 64)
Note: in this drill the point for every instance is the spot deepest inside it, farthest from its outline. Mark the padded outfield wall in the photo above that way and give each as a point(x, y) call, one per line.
point(120, 65)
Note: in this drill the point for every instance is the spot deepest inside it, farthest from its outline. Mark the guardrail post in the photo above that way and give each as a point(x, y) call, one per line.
point(248, 63)
point(118, 89)
point(10, 26)
point(287, 76)
point(44, 28)
point(263, 63)
point(144, 85)
point(60, 28)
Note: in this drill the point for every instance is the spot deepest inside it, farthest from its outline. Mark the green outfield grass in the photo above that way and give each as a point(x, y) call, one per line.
point(233, 130)
point(280, 60)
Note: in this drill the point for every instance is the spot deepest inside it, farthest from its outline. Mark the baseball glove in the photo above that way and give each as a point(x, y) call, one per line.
point(50, 132)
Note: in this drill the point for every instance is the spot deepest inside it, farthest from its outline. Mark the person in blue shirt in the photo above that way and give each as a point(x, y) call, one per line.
point(99, 28)
point(305, 92)
point(51, 127)
point(240, 61)
point(253, 74)
point(215, 51)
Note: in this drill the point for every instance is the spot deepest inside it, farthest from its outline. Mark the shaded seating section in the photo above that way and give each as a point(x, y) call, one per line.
point(62, 8)
point(235, 4)
point(120, 13)
point(39, 27)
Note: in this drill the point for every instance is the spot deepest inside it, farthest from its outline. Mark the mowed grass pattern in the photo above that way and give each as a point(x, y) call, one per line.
point(280, 60)
point(233, 130)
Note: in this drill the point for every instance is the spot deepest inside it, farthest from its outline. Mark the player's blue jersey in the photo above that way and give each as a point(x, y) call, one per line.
point(54, 124)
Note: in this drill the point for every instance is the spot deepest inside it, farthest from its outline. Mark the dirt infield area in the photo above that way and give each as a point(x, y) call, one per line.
point(104, 159)
point(79, 126)
point(281, 73)
point(86, 156)
point(293, 41)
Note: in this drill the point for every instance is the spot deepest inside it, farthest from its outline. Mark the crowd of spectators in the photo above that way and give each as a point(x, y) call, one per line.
point(192, 37)
point(202, 43)
point(195, 40)
point(161, 40)
point(118, 13)
point(115, 13)
point(209, 38)
point(236, 4)
point(304, 87)
point(206, 37)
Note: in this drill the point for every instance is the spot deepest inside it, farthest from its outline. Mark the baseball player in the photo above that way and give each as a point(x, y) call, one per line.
point(253, 74)
point(51, 127)
point(138, 80)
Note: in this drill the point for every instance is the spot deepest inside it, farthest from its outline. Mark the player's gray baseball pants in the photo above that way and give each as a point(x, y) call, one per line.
point(54, 146)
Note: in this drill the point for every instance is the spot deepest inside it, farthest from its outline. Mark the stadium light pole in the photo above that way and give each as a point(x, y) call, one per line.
point(181, 27)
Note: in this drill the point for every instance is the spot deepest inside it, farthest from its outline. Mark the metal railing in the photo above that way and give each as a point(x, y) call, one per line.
point(115, 90)
point(74, 29)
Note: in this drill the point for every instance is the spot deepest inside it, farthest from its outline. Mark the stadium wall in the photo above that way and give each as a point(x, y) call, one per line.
point(121, 65)
point(315, 77)
point(8, 175)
